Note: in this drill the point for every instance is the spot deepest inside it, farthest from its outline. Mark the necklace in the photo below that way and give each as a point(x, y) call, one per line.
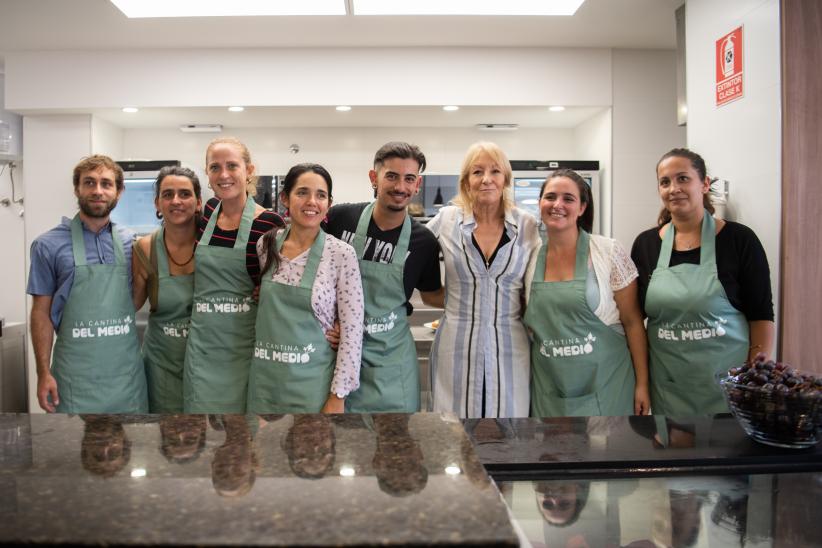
point(171, 258)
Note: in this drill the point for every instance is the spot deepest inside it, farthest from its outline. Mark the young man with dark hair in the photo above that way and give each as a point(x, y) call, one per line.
point(80, 282)
point(397, 254)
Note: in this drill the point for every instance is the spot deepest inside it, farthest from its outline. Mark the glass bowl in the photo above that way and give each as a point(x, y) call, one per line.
point(792, 420)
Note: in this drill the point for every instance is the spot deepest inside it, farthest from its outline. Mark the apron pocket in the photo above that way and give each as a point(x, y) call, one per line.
point(553, 405)
point(382, 389)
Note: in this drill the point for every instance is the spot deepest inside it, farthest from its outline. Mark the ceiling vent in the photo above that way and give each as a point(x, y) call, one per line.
point(497, 127)
point(201, 128)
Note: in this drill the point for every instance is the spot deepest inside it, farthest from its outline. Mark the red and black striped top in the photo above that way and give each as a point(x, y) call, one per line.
point(226, 238)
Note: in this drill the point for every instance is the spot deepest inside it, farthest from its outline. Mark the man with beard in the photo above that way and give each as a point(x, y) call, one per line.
point(396, 255)
point(80, 283)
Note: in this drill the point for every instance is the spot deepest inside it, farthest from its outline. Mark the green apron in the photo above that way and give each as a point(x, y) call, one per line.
point(293, 364)
point(390, 375)
point(579, 365)
point(221, 338)
point(693, 331)
point(164, 343)
point(96, 360)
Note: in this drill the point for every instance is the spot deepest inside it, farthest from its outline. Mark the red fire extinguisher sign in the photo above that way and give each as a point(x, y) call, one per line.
point(729, 54)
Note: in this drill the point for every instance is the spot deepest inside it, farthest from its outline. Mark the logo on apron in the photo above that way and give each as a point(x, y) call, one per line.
point(379, 325)
point(283, 353)
point(177, 330)
point(562, 348)
point(692, 331)
point(224, 305)
point(101, 328)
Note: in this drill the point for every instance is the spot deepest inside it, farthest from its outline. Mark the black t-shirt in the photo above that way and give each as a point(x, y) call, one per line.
point(422, 264)
point(741, 264)
point(226, 238)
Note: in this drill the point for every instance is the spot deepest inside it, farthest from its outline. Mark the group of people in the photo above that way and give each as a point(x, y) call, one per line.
point(250, 313)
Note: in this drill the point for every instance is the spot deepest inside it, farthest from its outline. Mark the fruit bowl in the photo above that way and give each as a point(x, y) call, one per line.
point(774, 403)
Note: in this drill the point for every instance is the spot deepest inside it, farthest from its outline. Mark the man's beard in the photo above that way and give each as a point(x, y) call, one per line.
point(88, 209)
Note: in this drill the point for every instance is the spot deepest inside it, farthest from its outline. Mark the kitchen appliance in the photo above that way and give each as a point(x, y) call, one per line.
point(136, 206)
point(528, 176)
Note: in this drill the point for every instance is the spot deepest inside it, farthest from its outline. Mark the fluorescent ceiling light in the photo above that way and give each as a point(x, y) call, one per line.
point(450, 108)
point(343, 108)
point(466, 7)
point(556, 108)
point(221, 8)
point(130, 110)
point(236, 109)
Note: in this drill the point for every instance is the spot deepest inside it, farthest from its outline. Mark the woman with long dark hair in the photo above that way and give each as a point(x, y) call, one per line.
point(163, 267)
point(309, 280)
point(589, 351)
point(706, 290)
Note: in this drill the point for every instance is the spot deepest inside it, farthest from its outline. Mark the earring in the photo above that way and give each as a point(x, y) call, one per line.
point(158, 215)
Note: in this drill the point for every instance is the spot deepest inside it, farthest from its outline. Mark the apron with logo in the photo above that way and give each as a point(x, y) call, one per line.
point(96, 360)
point(164, 343)
point(694, 331)
point(221, 338)
point(293, 364)
point(389, 376)
point(579, 365)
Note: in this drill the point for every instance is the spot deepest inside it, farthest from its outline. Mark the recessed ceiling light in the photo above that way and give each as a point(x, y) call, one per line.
point(131, 110)
point(466, 7)
point(236, 109)
point(343, 108)
point(450, 108)
point(220, 8)
point(556, 108)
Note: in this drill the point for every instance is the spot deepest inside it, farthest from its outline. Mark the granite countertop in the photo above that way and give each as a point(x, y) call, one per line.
point(250, 480)
point(593, 447)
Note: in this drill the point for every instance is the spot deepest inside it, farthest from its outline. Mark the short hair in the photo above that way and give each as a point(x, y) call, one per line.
point(586, 220)
point(464, 199)
point(399, 149)
point(94, 162)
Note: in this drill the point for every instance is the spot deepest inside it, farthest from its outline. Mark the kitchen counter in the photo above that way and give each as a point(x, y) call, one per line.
point(245, 480)
point(591, 447)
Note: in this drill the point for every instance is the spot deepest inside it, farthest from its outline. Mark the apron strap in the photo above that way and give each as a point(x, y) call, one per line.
point(78, 244)
point(583, 248)
point(158, 241)
point(360, 236)
point(243, 231)
point(314, 256)
point(707, 254)
point(580, 264)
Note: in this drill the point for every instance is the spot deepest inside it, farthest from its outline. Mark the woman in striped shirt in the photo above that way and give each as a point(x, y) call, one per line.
point(221, 340)
point(480, 357)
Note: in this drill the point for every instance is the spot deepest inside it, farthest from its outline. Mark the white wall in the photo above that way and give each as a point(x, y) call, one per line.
point(106, 138)
point(12, 245)
point(740, 141)
point(309, 76)
point(592, 140)
point(347, 153)
point(644, 128)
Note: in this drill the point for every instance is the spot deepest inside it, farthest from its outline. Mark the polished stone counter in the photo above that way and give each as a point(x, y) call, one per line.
point(231, 480)
point(595, 447)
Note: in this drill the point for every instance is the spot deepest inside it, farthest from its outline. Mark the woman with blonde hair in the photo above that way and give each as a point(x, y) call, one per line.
point(479, 360)
point(221, 339)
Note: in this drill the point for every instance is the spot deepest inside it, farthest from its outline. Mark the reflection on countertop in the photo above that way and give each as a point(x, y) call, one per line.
point(694, 511)
point(234, 479)
point(554, 448)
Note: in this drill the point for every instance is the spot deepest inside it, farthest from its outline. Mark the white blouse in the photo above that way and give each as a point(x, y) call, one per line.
point(611, 262)
point(336, 293)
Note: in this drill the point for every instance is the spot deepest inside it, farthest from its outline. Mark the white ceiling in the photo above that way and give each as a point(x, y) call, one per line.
point(98, 25)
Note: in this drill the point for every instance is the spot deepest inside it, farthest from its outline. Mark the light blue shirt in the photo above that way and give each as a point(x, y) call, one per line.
point(52, 261)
